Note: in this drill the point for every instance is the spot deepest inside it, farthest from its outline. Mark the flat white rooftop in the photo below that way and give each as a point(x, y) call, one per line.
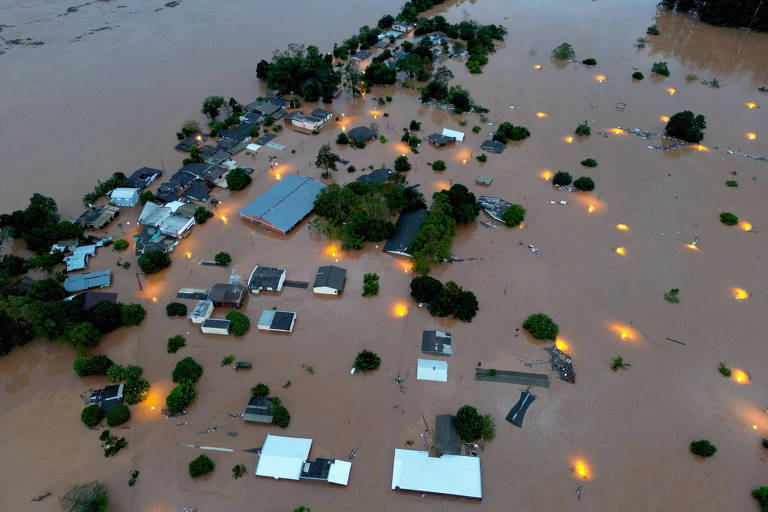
point(283, 457)
point(455, 475)
point(432, 369)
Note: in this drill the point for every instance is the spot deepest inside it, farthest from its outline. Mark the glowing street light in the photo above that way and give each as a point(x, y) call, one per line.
point(740, 294)
point(621, 251)
point(750, 105)
point(665, 118)
point(601, 78)
point(740, 377)
point(569, 139)
point(746, 226)
point(561, 344)
point(546, 175)
point(541, 114)
point(699, 147)
point(537, 66)
point(751, 136)
point(672, 91)
point(581, 469)
point(622, 227)
point(591, 208)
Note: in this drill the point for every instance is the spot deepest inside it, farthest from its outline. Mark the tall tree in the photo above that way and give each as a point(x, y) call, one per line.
point(212, 107)
point(326, 159)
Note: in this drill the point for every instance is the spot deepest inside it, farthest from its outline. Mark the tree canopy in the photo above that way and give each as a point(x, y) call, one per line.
point(301, 70)
point(472, 426)
point(685, 125)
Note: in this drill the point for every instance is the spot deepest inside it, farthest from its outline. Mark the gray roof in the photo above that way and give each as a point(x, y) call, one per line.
point(408, 224)
point(361, 55)
point(98, 217)
point(447, 438)
point(263, 108)
point(78, 282)
point(378, 176)
point(108, 397)
point(331, 276)
point(493, 146)
point(216, 323)
point(227, 293)
point(494, 206)
point(285, 204)
point(322, 114)
point(282, 320)
point(199, 191)
point(259, 409)
point(143, 177)
point(436, 342)
point(265, 278)
point(361, 133)
point(440, 140)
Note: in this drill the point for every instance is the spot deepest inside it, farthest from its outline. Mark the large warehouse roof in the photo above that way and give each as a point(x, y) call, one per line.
point(285, 204)
point(457, 475)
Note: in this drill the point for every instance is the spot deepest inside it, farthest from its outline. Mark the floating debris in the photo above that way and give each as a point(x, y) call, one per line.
point(562, 364)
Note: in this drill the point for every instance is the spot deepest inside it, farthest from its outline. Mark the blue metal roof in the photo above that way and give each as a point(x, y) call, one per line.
point(78, 282)
point(286, 203)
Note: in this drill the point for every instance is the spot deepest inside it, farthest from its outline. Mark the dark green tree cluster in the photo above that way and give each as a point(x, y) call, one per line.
point(90, 497)
point(202, 214)
point(92, 415)
point(761, 495)
point(358, 211)
point(300, 70)
point(176, 309)
point(238, 322)
point(201, 466)
point(186, 373)
point(507, 131)
point(513, 215)
point(728, 13)
point(136, 388)
point(367, 360)
point(687, 126)
point(118, 415)
point(703, 448)
point(97, 365)
point(472, 426)
point(444, 299)
point(370, 285)
point(175, 343)
point(541, 327)
point(39, 226)
point(117, 180)
point(378, 73)
point(155, 261)
point(237, 179)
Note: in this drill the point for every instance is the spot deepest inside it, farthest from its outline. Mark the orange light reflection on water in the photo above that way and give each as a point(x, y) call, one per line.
point(740, 294)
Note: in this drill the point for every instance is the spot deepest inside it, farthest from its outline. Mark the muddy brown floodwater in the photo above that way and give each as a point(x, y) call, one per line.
point(113, 82)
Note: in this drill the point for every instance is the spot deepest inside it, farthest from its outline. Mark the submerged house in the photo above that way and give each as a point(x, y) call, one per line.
point(298, 119)
point(108, 397)
point(286, 457)
point(319, 113)
point(80, 282)
point(432, 369)
point(494, 206)
point(436, 342)
point(447, 438)
point(78, 260)
point(330, 280)
point(408, 224)
point(274, 320)
point(227, 295)
point(266, 278)
point(124, 197)
point(361, 134)
point(493, 146)
point(203, 310)
point(459, 136)
point(144, 177)
point(440, 140)
point(285, 204)
point(215, 326)
point(454, 475)
point(382, 175)
point(98, 216)
point(258, 410)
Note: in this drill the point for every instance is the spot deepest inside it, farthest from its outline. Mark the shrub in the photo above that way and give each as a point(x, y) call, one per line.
point(415, 125)
point(120, 244)
point(90, 497)
point(660, 68)
point(703, 448)
point(383, 139)
point(132, 314)
point(513, 215)
point(269, 121)
point(367, 360)
point(402, 164)
point(728, 218)
point(638, 75)
point(253, 131)
point(724, 370)
point(227, 360)
point(360, 144)
point(482, 157)
point(200, 466)
point(583, 129)
point(370, 285)
point(187, 370)
point(180, 397)
point(691, 76)
point(492, 372)
point(175, 343)
point(118, 415)
point(351, 168)
point(153, 261)
point(684, 125)
point(280, 416)
point(146, 196)
point(83, 335)
point(202, 214)
point(438, 165)
point(765, 443)
point(653, 30)
point(260, 390)
point(671, 295)
point(562, 178)
point(589, 62)
point(507, 131)
point(222, 258)
point(731, 183)
point(176, 309)
point(618, 364)
point(342, 138)
point(585, 183)
point(589, 162)
point(92, 415)
point(238, 322)
point(425, 288)
point(563, 52)
point(761, 495)
point(237, 179)
point(99, 364)
point(541, 327)
point(471, 425)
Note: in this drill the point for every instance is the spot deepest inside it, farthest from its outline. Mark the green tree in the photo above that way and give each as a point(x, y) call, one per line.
point(370, 285)
point(585, 183)
point(513, 215)
point(703, 448)
point(176, 309)
point(342, 138)
point(132, 314)
point(562, 179)
point(92, 415)
point(280, 416)
point(472, 426)
point(761, 495)
point(187, 370)
point(237, 179)
point(425, 289)
point(589, 162)
point(222, 258)
point(146, 196)
point(180, 397)
point(367, 360)
point(260, 390)
point(563, 52)
point(90, 497)
point(402, 164)
point(438, 165)
point(661, 68)
point(583, 129)
point(118, 415)
point(106, 316)
point(175, 343)
point(47, 290)
point(728, 218)
point(202, 214)
point(326, 159)
point(120, 244)
point(153, 261)
point(238, 322)
point(684, 125)
point(541, 327)
point(200, 466)
point(212, 107)
point(82, 336)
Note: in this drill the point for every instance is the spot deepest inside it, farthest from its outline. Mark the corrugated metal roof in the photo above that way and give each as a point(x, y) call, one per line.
point(283, 457)
point(80, 282)
point(457, 475)
point(286, 203)
point(408, 224)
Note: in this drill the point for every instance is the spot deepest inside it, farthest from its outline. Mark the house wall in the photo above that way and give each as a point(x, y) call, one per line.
point(325, 290)
point(214, 330)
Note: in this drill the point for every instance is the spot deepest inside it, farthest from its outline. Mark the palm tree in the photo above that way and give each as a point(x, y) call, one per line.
point(618, 363)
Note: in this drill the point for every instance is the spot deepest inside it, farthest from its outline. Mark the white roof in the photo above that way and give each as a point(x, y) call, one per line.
point(459, 136)
point(432, 369)
point(174, 205)
point(153, 214)
point(124, 193)
point(253, 147)
point(339, 472)
point(457, 475)
point(283, 457)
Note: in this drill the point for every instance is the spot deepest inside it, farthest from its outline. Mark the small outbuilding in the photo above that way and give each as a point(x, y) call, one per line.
point(124, 197)
point(266, 278)
point(203, 310)
point(436, 342)
point(459, 136)
point(108, 397)
point(330, 280)
point(447, 438)
point(432, 369)
point(258, 410)
point(440, 140)
point(493, 146)
point(274, 320)
point(215, 326)
point(229, 295)
point(283, 457)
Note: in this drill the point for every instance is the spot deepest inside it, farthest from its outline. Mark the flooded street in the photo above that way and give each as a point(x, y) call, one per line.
point(91, 101)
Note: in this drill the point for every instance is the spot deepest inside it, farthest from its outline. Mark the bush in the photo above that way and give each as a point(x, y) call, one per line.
point(585, 183)
point(402, 164)
point(342, 138)
point(513, 215)
point(370, 285)
point(562, 178)
point(180, 397)
point(383, 139)
point(367, 360)
point(724, 370)
point(92, 415)
point(200, 466)
point(482, 157)
point(202, 214)
point(175, 343)
point(280, 416)
point(684, 125)
point(671, 295)
point(637, 75)
point(731, 183)
point(589, 162)
point(764, 443)
point(583, 129)
point(589, 62)
point(761, 495)
point(415, 125)
point(563, 52)
point(360, 144)
point(703, 448)
point(97, 365)
point(176, 309)
point(471, 425)
point(728, 218)
point(507, 131)
point(118, 415)
point(260, 390)
point(146, 196)
point(237, 179)
point(438, 165)
point(541, 327)
point(239, 323)
point(90, 497)
point(222, 258)
point(425, 288)
point(153, 261)
point(120, 244)
point(660, 68)
point(653, 30)
point(83, 335)
point(187, 370)
point(132, 314)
